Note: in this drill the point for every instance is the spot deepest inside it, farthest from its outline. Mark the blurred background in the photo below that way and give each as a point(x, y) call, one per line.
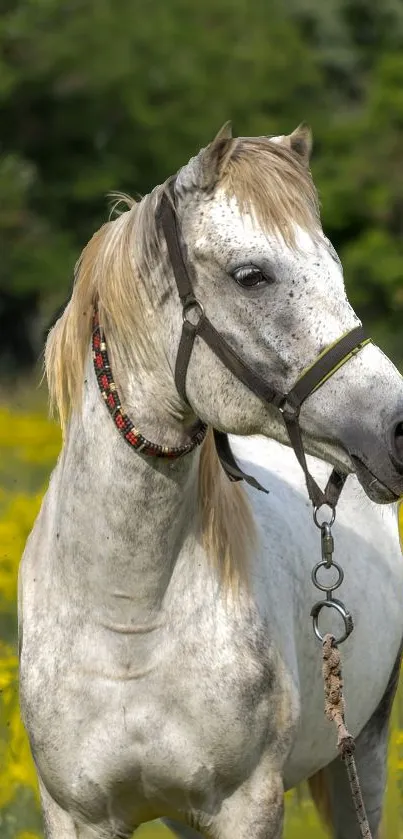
point(101, 95)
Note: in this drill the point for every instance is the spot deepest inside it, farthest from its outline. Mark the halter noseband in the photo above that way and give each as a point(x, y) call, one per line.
point(289, 404)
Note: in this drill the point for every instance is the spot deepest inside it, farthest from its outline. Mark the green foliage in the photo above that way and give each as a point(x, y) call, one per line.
point(97, 96)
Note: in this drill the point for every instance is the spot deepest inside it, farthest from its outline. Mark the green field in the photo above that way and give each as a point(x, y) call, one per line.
point(29, 444)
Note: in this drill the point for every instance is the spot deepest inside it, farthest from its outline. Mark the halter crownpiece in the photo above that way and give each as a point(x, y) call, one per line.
point(289, 404)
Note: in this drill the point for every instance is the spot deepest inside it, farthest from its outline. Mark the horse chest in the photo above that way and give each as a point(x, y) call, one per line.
point(201, 711)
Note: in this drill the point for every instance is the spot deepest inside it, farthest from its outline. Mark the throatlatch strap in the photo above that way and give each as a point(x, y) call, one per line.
point(229, 463)
point(182, 359)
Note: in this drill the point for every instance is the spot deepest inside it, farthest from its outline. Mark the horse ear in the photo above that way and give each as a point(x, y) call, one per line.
point(215, 155)
point(225, 132)
point(300, 142)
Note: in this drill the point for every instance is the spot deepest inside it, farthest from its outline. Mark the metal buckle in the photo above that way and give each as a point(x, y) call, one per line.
point(288, 408)
point(192, 303)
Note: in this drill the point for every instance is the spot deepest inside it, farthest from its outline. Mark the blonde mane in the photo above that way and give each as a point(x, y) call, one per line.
point(273, 185)
point(115, 270)
point(112, 271)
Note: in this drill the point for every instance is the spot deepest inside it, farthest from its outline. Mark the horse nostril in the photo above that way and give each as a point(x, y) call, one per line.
point(397, 444)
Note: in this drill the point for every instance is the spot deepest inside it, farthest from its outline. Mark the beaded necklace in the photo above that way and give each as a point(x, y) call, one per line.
point(122, 421)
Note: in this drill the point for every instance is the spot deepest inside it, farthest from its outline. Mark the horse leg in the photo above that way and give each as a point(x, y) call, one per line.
point(254, 811)
point(60, 825)
point(330, 788)
point(56, 822)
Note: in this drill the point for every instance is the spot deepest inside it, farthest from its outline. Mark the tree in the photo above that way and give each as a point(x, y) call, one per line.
point(97, 96)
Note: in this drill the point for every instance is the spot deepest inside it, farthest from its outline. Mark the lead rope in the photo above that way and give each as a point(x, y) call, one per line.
point(331, 667)
point(335, 710)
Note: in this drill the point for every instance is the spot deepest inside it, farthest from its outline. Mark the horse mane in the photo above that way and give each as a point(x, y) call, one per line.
point(227, 524)
point(271, 183)
point(111, 271)
point(114, 269)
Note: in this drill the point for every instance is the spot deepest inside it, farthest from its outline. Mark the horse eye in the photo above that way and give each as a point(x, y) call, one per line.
point(249, 277)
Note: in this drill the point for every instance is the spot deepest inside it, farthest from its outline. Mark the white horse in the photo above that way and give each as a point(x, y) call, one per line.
point(168, 665)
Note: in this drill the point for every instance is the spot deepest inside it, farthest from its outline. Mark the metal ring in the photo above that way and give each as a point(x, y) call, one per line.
point(340, 608)
point(193, 304)
point(323, 564)
point(316, 511)
point(288, 410)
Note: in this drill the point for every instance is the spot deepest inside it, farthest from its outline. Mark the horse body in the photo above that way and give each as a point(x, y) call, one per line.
point(133, 645)
point(167, 664)
point(163, 695)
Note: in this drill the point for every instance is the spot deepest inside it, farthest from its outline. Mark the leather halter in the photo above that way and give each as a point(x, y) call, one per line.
point(196, 323)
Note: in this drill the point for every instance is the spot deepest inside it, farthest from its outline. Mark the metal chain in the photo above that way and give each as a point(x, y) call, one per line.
point(327, 562)
point(331, 666)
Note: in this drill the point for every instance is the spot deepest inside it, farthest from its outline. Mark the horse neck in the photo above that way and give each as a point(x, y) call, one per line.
point(129, 514)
